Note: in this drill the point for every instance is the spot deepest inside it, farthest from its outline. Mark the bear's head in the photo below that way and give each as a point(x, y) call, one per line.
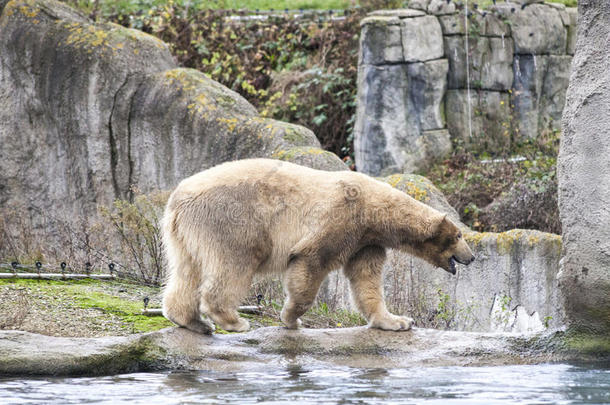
point(445, 247)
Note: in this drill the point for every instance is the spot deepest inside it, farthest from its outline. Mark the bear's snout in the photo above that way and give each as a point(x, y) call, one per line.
point(464, 262)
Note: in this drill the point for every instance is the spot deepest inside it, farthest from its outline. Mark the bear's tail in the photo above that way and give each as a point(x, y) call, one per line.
point(183, 277)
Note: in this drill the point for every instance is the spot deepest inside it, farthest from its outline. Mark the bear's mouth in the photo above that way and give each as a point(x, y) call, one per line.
point(452, 261)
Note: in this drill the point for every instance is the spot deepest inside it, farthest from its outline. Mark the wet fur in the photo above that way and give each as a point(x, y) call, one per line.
point(238, 220)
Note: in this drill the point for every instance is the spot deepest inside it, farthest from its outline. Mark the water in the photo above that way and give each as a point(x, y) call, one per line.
point(537, 384)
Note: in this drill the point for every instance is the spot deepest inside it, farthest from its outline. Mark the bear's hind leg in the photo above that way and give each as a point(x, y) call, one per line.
point(181, 306)
point(364, 271)
point(221, 292)
point(301, 285)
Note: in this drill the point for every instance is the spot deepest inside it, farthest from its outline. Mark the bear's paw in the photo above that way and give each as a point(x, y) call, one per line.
point(392, 322)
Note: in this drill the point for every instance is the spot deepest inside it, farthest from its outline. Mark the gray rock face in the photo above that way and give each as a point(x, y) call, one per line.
point(419, 4)
point(91, 109)
point(489, 125)
point(539, 92)
point(422, 39)
point(400, 102)
point(529, 76)
point(488, 25)
point(554, 89)
point(584, 175)
point(441, 7)
point(397, 104)
point(381, 40)
point(386, 116)
point(490, 62)
point(573, 16)
point(538, 29)
point(268, 348)
point(427, 86)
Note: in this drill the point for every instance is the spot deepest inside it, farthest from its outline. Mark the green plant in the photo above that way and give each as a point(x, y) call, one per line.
point(445, 312)
point(298, 70)
point(503, 315)
point(501, 192)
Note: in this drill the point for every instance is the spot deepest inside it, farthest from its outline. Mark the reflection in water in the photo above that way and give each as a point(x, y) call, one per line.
point(540, 384)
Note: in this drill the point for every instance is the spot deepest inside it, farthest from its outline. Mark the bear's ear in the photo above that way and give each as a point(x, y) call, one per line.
point(437, 223)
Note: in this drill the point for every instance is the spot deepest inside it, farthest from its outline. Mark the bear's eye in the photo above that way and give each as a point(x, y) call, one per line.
point(458, 236)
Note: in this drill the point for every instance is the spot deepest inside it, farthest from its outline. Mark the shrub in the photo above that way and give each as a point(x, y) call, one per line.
point(514, 191)
point(297, 70)
point(138, 227)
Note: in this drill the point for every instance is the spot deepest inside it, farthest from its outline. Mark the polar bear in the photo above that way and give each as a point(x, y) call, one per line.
point(252, 217)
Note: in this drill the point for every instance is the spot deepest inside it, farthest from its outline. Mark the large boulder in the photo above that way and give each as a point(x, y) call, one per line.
point(584, 175)
point(90, 110)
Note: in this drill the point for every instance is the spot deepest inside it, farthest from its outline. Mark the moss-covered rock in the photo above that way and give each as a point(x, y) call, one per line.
point(424, 191)
point(176, 348)
point(104, 108)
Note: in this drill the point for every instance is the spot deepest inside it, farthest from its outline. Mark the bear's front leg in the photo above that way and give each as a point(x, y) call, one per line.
point(364, 271)
point(301, 283)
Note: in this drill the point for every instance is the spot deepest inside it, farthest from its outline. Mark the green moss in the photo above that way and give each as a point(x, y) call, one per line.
point(42, 283)
point(295, 137)
point(589, 344)
point(128, 311)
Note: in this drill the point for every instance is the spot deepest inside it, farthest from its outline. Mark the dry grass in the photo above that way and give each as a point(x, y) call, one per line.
point(20, 308)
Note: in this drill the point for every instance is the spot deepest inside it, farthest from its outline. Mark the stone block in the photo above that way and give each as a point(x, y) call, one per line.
point(380, 41)
point(386, 123)
point(419, 4)
point(490, 118)
point(529, 78)
point(435, 144)
point(400, 13)
point(397, 105)
point(422, 39)
point(427, 86)
point(554, 86)
point(538, 29)
point(572, 27)
point(488, 25)
point(441, 7)
point(490, 62)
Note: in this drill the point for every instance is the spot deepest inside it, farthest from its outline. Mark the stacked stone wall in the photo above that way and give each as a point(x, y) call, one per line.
point(434, 76)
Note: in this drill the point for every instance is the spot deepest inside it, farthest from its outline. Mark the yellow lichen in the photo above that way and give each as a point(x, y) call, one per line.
point(505, 241)
point(29, 12)
point(394, 179)
point(230, 123)
point(290, 154)
point(420, 194)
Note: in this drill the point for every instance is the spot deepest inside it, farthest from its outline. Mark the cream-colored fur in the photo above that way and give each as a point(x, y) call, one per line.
point(227, 224)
